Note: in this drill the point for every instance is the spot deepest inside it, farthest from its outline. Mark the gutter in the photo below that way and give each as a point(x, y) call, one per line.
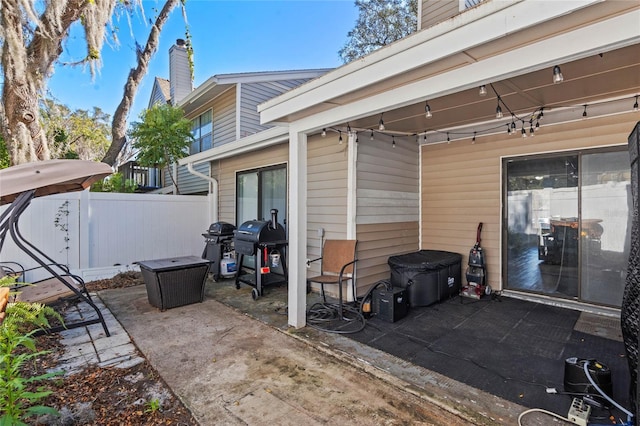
point(213, 189)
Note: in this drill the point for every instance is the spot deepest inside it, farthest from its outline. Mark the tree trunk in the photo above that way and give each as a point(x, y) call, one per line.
point(26, 68)
point(119, 123)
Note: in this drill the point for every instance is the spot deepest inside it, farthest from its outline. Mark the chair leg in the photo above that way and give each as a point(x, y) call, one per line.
point(324, 298)
point(355, 297)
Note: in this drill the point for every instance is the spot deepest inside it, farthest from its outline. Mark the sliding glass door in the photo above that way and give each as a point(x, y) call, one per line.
point(567, 218)
point(606, 226)
point(259, 191)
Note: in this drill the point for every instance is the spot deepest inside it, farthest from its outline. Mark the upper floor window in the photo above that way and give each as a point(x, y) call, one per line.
point(466, 4)
point(202, 131)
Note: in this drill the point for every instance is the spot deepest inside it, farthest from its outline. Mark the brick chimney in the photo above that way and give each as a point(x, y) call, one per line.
point(179, 72)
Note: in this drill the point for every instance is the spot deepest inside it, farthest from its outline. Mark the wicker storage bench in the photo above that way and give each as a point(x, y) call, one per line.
point(174, 281)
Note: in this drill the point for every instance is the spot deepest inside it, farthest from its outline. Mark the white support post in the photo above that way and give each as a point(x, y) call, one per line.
point(297, 295)
point(352, 161)
point(352, 158)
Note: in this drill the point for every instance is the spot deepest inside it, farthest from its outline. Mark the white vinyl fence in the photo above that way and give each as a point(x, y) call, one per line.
point(100, 234)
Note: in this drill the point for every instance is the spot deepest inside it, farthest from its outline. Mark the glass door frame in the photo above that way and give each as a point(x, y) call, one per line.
point(282, 216)
point(505, 216)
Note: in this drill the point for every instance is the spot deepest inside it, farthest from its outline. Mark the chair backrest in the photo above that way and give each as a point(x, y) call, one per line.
point(337, 253)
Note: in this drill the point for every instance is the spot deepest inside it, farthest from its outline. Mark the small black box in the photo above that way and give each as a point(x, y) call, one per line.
point(390, 305)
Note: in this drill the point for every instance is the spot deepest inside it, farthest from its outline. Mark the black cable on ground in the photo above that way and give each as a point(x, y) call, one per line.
point(326, 317)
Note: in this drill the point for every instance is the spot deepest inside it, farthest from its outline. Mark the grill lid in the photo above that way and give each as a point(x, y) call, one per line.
point(221, 228)
point(257, 231)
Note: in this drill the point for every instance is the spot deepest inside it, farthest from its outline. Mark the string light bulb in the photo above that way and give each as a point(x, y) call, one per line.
point(474, 138)
point(393, 141)
point(357, 139)
point(371, 137)
point(448, 139)
point(381, 124)
point(498, 110)
point(324, 132)
point(508, 129)
point(531, 132)
point(635, 105)
point(584, 113)
point(523, 131)
point(425, 137)
point(340, 138)
point(427, 111)
point(557, 75)
point(483, 90)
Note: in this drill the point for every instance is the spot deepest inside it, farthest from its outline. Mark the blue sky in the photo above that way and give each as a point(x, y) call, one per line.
point(228, 37)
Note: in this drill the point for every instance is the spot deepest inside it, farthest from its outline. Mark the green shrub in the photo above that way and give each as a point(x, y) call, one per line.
point(22, 320)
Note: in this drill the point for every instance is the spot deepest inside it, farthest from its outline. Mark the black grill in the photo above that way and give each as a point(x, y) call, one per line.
point(254, 233)
point(220, 229)
point(266, 241)
point(218, 242)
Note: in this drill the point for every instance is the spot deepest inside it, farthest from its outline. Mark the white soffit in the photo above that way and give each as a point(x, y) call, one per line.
point(616, 32)
point(455, 36)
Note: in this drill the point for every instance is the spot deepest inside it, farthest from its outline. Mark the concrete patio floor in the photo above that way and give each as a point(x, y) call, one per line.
point(233, 360)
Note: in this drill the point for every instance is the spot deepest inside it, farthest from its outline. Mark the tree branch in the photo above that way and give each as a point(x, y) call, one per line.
point(119, 123)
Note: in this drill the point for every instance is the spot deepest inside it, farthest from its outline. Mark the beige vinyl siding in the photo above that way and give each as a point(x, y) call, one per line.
point(434, 11)
point(225, 172)
point(461, 182)
point(376, 243)
point(387, 180)
point(326, 195)
point(388, 204)
point(224, 118)
point(253, 94)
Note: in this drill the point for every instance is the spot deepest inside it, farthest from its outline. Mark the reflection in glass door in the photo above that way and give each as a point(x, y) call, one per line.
point(606, 225)
point(542, 215)
point(567, 225)
point(273, 188)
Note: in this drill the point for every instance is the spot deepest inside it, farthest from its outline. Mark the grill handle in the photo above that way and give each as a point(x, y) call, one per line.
point(274, 218)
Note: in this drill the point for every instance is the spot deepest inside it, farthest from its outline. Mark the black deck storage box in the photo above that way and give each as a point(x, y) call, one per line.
point(174, 282)
point(429, 276)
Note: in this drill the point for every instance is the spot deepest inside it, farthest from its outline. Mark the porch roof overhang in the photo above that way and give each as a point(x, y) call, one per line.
point(264, 139)
point(511, 45)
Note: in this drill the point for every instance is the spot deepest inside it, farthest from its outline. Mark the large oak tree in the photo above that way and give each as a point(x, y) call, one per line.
point(32, 36)
point(380, 22)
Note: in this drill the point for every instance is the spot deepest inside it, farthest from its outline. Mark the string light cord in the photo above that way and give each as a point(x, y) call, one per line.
point(533, 117)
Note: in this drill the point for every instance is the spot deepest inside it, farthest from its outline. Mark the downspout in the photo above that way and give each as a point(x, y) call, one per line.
point(213, 190)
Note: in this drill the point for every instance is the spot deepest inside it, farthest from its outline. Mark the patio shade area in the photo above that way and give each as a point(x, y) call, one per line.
point(511, 348)
point(507, 347)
